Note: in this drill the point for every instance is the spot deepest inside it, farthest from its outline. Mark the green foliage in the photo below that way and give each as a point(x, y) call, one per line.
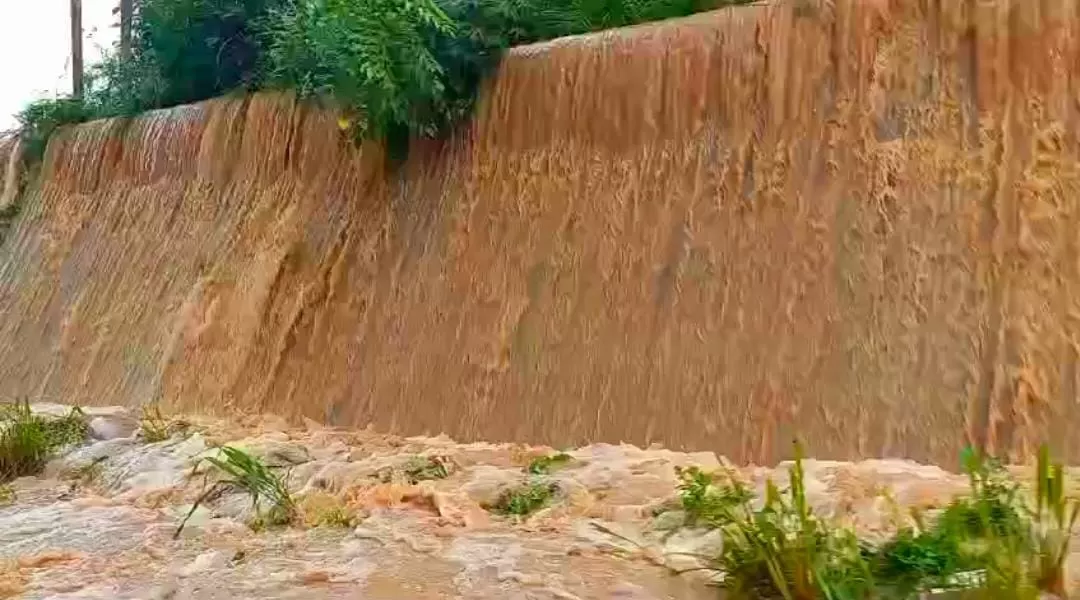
point(1054, 521)
point(373, 56)
point(526, 498)
point(40, 119)
point(780, 550)
point(28, 440)
point(916, 560)
point(1014, 549)
point(7, 495)
point(246, 473)
point(396, 68)
point(708, 504)
point(199, 48)
point(542, 465)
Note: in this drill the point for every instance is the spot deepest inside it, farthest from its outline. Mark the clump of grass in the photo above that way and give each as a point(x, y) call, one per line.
point(526, 498)
point(1054, 520)
point(7, 495)
point(990, 544)
point(543, 465)
point(416, 469)
point(86, 475)
point(246, 473)
point(780, 550)
point(425, 468)
point(708, 501)
point(920, 558)
point(28, 440)
point(337, 517)
point(324, 510)
point(154, 427)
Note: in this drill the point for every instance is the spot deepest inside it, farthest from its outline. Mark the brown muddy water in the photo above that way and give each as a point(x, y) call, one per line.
point(106, 532)
point(851, 220)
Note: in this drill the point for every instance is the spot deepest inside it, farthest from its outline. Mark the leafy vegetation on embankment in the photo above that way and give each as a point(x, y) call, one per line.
point(396, 68)
point(776, 548)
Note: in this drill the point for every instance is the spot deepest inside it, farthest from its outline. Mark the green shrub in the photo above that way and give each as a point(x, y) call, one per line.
point(396, 68)
point(40, 119)
point(194, 49)
point(372, 56)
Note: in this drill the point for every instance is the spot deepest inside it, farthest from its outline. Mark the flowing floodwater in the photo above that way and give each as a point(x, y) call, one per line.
point(99, 522)
point(852, 220)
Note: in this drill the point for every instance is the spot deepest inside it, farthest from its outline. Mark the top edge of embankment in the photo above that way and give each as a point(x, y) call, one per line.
point(601, 37)
point(604, 36)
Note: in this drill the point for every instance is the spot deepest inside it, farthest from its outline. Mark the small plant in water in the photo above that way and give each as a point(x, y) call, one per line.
point(27, 440)
point(338, 516)
point(7, 495)
point(415, 470)
point(85, 475)
point(782, 550)
point(990, 544)
point(152, 426)
point(246, 473)
point(425, 468)
point(542, 465)
point(526, 498)
point(320, 509)
point(705, 502)
point(1054, 521)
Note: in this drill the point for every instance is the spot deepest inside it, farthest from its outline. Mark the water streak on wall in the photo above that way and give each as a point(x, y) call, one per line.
point(852, 220)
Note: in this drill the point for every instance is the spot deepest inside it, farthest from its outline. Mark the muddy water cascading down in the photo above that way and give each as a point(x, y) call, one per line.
point(853, 221)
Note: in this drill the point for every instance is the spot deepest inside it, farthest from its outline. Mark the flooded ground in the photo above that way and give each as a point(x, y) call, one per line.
point(99, 522)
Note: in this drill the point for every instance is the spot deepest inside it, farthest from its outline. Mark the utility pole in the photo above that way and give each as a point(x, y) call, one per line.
point(127, 8)
point(76, 49)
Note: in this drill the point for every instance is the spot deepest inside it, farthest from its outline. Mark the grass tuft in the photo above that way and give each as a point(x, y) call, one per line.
point(154, 427)
point(780, 550)
point(705, 502)
point(526, 498)
point(246, 473)
point(416, 469)
point(7, 495)
point(320, 509)
point(425, 468)
point(993, 543)
point(543, 465)
point(27, 440)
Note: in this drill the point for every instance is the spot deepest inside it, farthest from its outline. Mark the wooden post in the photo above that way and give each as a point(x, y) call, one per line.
point(76, 49)
point(127, 7)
